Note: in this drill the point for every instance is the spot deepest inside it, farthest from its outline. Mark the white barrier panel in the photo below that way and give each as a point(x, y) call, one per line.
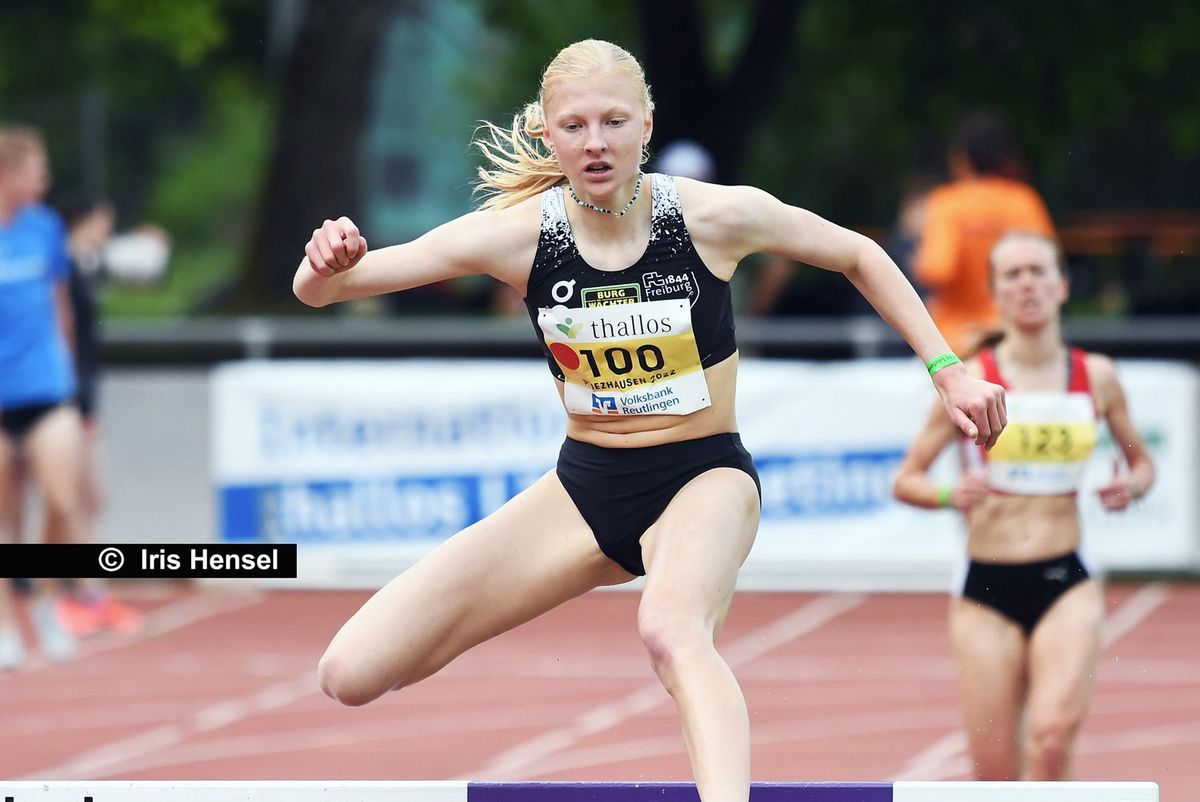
point(1024, 792)
point(368, 464)
point(369, 791)
point(233, 791)
point(827, 439)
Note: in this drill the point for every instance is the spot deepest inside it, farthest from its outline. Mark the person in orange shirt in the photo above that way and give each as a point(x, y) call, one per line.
point(964, 219)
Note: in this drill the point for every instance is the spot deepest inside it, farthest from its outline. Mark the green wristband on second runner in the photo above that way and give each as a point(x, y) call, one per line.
point(943, 361)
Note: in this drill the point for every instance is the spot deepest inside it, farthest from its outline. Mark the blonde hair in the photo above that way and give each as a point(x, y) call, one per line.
point(1023, 234)
point(19, 142)
point(521, 166)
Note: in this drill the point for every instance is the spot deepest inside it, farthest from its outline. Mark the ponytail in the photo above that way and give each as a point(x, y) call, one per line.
point(521, 166)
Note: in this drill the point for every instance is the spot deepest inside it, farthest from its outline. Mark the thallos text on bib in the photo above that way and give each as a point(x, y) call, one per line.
point(628, 359)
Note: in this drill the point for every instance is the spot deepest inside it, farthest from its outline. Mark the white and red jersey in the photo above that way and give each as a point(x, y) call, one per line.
point(1049, 438)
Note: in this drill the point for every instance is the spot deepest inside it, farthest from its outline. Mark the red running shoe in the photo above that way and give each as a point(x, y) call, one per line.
point(83, 618)
point(79, 618)
point(120, 617)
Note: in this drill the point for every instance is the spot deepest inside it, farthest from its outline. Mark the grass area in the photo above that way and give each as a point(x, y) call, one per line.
point(203, 196)
point(191, 276)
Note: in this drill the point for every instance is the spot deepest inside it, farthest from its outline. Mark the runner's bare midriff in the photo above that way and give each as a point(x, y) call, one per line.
point(639, 431)
point(1013, 528)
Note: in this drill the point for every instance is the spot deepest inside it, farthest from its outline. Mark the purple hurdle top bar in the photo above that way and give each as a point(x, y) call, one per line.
point(673, 792)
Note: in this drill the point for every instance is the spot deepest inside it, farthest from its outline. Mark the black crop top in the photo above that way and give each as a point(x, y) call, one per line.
point(670, 269)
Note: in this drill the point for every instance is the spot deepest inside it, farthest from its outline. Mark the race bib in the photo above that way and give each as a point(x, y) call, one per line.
point(627, 359)
point(1045, 447)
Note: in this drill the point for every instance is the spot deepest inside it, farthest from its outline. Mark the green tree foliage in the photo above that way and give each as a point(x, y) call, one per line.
point(158, 105)
point(829, 104)
point(203, 198)
point(1099, 92)
point(151, 64)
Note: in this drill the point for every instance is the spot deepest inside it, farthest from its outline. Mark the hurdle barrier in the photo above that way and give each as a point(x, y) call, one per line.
point(438, 791)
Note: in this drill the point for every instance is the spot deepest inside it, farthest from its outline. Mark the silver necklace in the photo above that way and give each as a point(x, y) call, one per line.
point(637, 190)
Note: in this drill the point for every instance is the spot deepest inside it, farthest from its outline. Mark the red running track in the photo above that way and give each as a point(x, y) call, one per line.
point(221, 685)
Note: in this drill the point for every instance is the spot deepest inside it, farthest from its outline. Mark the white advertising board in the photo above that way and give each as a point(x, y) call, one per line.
point(369, 464)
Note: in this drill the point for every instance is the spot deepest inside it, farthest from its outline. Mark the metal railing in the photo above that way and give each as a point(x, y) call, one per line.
point(222, 339)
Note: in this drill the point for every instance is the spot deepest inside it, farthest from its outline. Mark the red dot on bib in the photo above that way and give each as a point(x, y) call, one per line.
point(565, 355)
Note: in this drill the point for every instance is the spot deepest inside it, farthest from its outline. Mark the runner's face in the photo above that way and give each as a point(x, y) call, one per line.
point(27, 180)
point(597, 127)
point(33, 178)
point(1029, 288)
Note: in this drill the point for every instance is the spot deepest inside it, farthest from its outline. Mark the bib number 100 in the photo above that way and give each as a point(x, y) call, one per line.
point(620, 360)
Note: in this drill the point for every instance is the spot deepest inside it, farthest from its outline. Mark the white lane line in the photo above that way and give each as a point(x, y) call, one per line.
point(515, 762)
point(1145, 738)
point(393, 733)
point(73, 720)
point(169, 618)
point(796, 734)
point(947, 757)
point(1136, 609)
point(113, 757)
point(934, 761)
point(397, 733)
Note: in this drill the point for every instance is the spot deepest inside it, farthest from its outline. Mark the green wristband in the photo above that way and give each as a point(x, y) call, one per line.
point(943, 495)
point(943, 361)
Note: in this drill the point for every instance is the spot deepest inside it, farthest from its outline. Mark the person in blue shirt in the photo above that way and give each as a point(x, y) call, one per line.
point(39, 421)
